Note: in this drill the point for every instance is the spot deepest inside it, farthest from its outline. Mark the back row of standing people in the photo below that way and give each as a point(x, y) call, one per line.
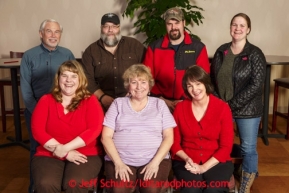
point(106, 60)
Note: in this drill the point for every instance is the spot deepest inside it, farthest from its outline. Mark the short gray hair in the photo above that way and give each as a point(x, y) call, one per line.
point(42, 25)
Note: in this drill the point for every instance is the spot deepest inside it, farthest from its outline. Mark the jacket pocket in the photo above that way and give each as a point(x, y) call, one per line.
point(98, 62)
point(129, 56)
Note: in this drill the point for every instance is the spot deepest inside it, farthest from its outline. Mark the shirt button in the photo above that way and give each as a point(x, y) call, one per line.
point(201, 154)
point(201, 147)
point(201, 138)
point(129, 57)
point(115, 87)
point(114, 67)
point(199, 133)
point(114, 58)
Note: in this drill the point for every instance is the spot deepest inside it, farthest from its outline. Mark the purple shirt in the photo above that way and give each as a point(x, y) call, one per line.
point(138, 135)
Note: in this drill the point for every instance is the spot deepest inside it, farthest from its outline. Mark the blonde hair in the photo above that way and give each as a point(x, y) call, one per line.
point(137, 70)
point(80, 93)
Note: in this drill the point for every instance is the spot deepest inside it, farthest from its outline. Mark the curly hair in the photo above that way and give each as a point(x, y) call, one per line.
point(80, 93)
point(197, 73)
point(137, 70)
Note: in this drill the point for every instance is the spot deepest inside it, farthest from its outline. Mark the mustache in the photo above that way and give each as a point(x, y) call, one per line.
point(110, 34)
point(175, 30)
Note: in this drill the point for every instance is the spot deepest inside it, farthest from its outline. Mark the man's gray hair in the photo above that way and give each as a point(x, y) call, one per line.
point(42, 25)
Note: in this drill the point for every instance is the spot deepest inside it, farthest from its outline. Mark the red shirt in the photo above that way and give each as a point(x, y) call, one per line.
point(49, 121)
point(212, 136)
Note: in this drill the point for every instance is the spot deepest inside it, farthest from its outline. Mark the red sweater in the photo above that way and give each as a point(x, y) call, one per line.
point(49, 121)
point(168, 66)
point(212, 136)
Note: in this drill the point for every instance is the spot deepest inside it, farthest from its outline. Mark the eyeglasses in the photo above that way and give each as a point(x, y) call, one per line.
point(50, 32)
point(113, 27)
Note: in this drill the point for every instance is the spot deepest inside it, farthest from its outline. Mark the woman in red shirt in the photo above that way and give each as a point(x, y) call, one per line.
point(203, 137)
point(66, 124)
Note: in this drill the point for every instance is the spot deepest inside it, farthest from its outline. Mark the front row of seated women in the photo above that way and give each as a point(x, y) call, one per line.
point(138, 133)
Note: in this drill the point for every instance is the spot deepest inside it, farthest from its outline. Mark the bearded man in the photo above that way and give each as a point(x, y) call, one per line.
point(169, 56)
point(105, 60)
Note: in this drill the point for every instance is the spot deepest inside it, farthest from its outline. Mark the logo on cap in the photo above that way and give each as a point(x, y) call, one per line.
point(110, 15)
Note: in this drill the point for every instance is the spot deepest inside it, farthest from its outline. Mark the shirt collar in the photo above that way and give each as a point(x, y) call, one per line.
point(43, 46)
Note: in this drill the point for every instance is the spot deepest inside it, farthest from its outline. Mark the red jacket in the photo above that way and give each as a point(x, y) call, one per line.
point(212, 136)
point(168, 66)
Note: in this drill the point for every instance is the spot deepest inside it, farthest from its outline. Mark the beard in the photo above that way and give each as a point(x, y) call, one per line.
point(175, 36)
point(110, 41)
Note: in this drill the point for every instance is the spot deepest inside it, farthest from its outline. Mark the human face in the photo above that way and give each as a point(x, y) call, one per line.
point(175, 29)
point(138, 87)
point(51, 35)
point(110, 34)
point(239, 29)
point(197, 90)
point(68, 82)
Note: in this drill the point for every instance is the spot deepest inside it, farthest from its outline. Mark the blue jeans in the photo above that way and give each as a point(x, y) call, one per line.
point(33, 145)
point(248, 132)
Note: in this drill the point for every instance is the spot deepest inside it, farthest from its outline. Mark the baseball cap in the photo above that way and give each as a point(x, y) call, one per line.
point(110, 17)
point(174, 13)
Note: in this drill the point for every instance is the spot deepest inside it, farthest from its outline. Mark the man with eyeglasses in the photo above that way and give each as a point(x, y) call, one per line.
point(37, 71)
point(106, 60)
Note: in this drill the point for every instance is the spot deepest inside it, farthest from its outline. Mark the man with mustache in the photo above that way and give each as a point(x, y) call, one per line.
point(169, 56)
point(106, 60)
point(37, 71)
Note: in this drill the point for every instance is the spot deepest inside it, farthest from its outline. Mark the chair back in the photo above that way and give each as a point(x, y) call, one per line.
point(16, 54)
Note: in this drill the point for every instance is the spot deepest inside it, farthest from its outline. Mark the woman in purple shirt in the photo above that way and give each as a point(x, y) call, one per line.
point(137, 136)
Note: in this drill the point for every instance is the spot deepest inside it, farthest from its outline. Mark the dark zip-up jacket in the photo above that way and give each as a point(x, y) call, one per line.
point(248, 77)
point(168, 66)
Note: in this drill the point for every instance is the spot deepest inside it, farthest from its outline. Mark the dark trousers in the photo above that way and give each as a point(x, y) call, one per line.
point(52, 175)
point(33, 144)
point(136, 180)
point(215, 180)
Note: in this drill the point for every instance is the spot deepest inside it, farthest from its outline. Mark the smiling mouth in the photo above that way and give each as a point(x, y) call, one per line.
point(197, 94)
point(174, 31)
point(52, 40)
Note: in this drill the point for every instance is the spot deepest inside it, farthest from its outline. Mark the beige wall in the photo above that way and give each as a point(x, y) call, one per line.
point(20, 20)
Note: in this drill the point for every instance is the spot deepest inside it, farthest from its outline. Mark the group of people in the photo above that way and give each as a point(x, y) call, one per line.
point(137, 113)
